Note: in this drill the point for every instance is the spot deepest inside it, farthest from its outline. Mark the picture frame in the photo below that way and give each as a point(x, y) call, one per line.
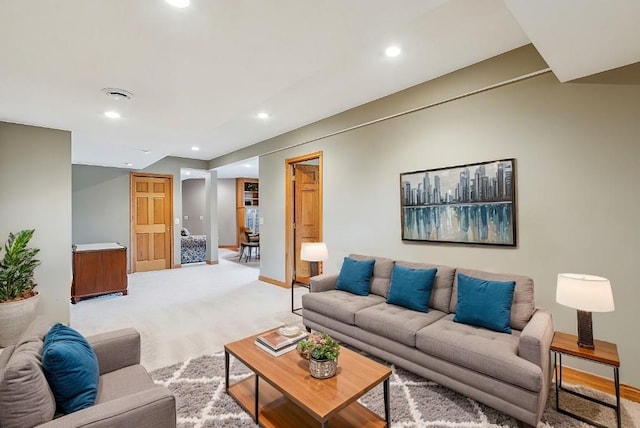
point(465, 204)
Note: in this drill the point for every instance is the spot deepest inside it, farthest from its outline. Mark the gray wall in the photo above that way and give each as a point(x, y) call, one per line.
point(193, 196)
point(101, 202)
point(100, 205)
point(35, 193)
point(227, 211)
point(576, 149)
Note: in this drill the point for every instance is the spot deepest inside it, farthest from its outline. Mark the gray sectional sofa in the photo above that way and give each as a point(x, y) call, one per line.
point(509, 372)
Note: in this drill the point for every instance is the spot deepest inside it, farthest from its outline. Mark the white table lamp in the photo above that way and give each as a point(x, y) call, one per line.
point(587, 294)
point(314, 252)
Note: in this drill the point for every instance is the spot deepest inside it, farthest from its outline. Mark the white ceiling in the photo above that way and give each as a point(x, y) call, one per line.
point(580, 38)
point(248, 168)
point(200, 75)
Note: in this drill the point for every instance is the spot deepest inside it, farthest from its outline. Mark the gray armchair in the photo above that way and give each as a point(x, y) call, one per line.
point(126, 396)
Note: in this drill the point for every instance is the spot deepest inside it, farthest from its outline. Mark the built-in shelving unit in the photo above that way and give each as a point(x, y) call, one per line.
point(250, 193)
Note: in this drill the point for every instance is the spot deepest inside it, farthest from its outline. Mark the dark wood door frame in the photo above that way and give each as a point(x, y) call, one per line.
point(289, 209)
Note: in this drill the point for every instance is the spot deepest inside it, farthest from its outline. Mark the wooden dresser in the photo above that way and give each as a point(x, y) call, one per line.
point(98, 269)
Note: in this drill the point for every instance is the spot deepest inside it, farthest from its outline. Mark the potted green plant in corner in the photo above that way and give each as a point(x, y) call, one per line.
point(18, 299)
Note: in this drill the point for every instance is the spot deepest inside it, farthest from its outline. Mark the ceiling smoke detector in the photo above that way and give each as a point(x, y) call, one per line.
point(117, 94)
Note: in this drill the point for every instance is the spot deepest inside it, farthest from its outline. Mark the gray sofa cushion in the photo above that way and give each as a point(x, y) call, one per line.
point(123, 382)
point(485, 351)
point(442, 285)
point(25, 396)
point(339, 305)
point(38, 329)
point(523, 305)
point(395, 322)
point(116, 349)
point(381, 278)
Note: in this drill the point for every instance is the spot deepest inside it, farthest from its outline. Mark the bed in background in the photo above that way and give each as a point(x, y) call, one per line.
point(193, 247)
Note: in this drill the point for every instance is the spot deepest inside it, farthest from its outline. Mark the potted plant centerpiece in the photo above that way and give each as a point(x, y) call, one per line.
point(322, 352)
point(18, 299)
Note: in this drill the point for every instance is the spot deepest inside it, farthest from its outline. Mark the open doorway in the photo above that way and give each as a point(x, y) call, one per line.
point(303, 202)
point(238, 202)
point(193, 233)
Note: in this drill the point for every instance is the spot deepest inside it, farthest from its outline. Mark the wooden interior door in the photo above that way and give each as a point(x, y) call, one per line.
point(306, 214)
point(151, 222)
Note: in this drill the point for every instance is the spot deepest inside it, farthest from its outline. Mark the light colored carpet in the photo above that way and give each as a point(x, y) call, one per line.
point(415, 402)
point(182, 313)
point(234, 257)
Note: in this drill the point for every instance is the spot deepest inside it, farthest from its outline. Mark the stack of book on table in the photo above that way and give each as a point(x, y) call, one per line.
point(276, 344)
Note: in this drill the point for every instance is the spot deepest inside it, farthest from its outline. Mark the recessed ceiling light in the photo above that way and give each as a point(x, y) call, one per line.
point(247, 165)
point(112, 114)
point(128, 164)
point(179, 3)
point(195, 148)
point(187, 173)
point(263, 115)
point(393, 51)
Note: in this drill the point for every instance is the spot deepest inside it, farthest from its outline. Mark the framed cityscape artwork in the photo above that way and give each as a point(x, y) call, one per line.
point(469, 204)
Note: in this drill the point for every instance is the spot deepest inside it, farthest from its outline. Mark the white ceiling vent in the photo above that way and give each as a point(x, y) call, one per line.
point(117, 94)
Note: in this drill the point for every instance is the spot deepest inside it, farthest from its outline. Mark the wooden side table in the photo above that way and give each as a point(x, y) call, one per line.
point(604, 353)
point(295, 284)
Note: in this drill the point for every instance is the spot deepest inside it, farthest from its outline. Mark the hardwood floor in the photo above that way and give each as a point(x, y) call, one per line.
point(598, 383)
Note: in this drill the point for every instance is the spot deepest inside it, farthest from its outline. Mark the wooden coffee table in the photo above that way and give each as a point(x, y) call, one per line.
point(282, 393)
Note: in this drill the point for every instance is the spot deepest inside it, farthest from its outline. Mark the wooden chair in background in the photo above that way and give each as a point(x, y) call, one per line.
point(250, 245)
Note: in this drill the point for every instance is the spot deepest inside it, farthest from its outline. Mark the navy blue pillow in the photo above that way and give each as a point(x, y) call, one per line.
point(411, 288)
point(485, 303)
point(355, 276)
point(71, 368)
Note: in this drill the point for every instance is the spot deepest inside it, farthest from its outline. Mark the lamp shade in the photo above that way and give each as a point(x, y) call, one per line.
point(314, 251)
point(587, 293)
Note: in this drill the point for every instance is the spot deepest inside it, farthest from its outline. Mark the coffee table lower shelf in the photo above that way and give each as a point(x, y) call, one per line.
point(277, 411)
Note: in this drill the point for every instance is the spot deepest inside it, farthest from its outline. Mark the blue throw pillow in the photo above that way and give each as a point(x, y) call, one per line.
point(355, 276)
point(71, 368)
point(411, 288)
point(485, 303)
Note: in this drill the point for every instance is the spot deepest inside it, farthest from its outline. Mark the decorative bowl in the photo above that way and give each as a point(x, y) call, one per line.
point(289, 330)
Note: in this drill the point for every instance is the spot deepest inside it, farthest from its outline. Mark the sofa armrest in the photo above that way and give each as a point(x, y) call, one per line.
point(324, 282)
point(116, 349)
point(535, 339)
point(152, 408)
